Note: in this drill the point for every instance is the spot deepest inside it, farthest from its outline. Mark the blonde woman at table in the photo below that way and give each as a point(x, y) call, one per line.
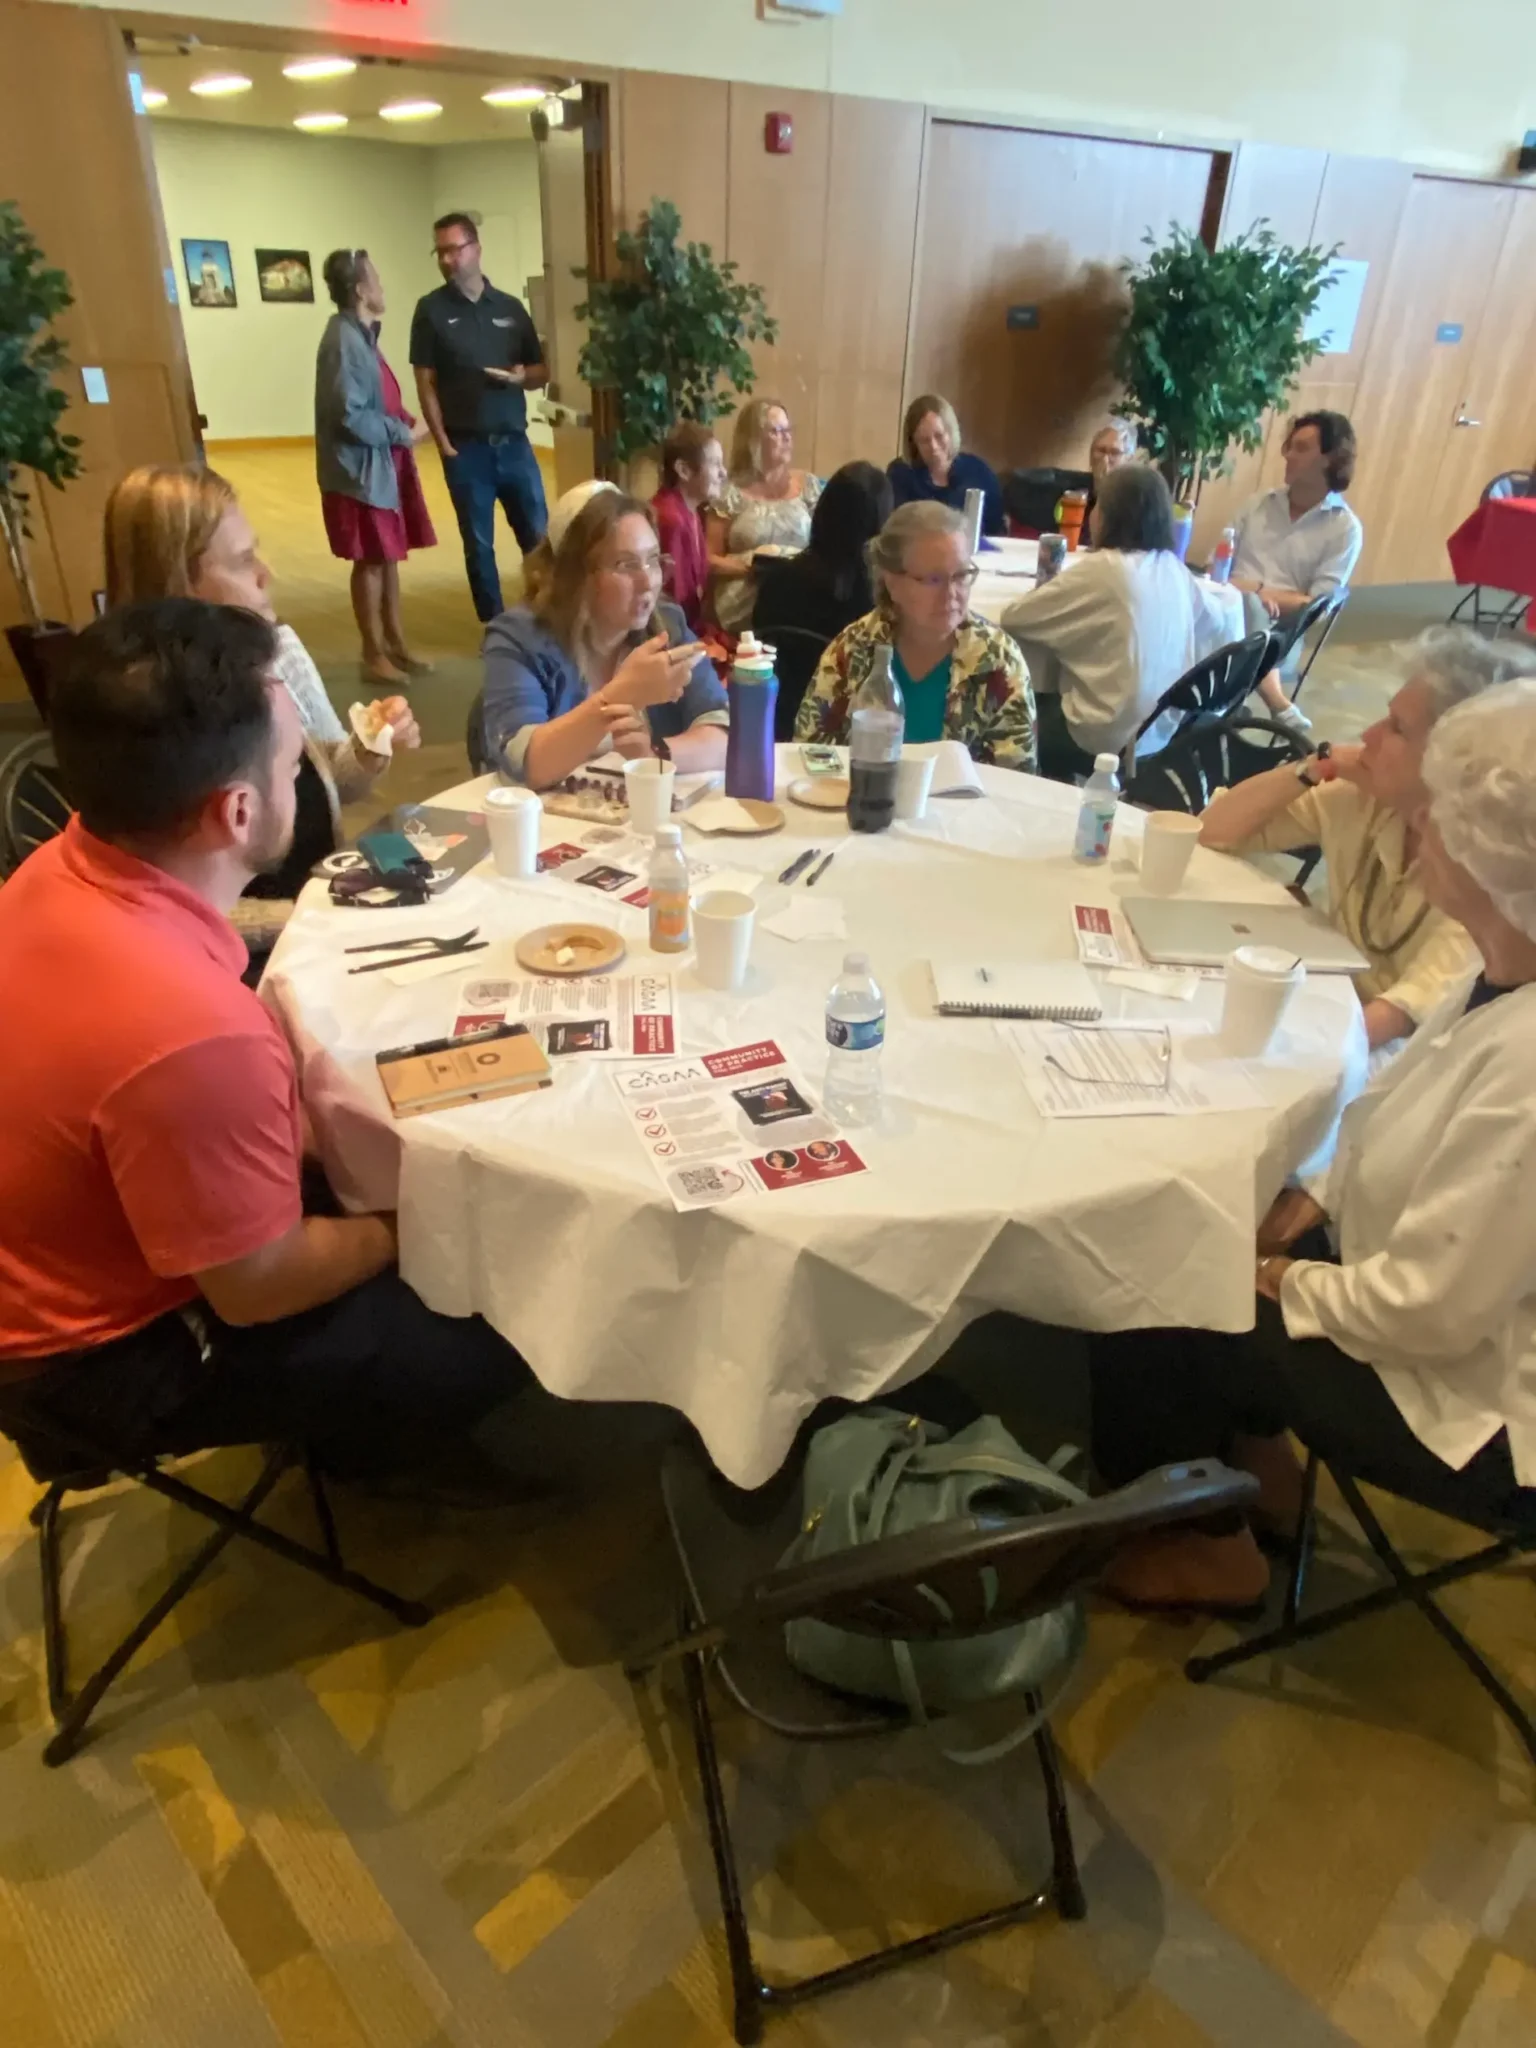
point(962, 677)
point(596, 662)
point(1404, 1339)
point(767, 503)
point(1359, 804)
point(933, 465)
point(1109, 635)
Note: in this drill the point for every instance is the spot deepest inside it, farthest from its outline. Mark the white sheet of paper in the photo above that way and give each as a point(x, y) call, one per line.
point(1125, 1061)
point(1169, 985)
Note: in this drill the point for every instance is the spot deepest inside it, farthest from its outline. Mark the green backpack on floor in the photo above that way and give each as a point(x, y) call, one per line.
point(880, 1473)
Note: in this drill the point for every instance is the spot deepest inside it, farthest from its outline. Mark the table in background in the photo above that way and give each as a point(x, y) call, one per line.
point(1008, 570)
point(1496, 547)
point(542, 1213)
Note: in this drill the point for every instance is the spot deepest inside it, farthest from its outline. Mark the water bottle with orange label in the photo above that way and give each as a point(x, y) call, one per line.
point(671, 925)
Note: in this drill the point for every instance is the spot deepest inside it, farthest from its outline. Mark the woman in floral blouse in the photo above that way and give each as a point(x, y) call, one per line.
point(961, 677)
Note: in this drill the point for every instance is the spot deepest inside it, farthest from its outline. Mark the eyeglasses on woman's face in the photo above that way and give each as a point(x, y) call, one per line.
point(959, 580)
point(650, 566)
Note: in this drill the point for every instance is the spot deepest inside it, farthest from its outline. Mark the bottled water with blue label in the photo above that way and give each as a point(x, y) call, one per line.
point(855, 1038)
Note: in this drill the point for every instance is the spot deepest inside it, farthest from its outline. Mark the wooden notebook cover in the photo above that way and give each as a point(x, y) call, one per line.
point(444, 1073)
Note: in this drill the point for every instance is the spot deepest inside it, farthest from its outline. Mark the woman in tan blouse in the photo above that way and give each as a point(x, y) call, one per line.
point(1358, 804)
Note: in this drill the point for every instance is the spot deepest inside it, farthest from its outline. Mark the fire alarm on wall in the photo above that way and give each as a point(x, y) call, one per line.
point(779, 134)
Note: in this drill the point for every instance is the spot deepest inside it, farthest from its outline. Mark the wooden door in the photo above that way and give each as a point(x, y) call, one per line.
point(1427, 337)
point(1497, 401)
point(1013, 219)
point(74, 159)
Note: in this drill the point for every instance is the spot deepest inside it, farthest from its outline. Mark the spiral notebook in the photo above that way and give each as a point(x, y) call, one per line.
point(1057, 990)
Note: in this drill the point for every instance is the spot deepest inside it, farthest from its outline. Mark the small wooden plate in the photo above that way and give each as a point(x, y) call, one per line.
point(820, 792)
point(596, 949)
point(765, 818)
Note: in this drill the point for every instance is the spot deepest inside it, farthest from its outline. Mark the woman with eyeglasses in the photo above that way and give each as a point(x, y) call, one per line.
point(766, 507)
point(595, 662)
point(962, 677)
point(370, 493)
point(1108, 636)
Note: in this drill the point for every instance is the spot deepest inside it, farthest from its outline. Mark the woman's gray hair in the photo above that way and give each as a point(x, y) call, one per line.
point(1454, 664)
point(1480, 771)
point(1130, 439)
point(887, 552)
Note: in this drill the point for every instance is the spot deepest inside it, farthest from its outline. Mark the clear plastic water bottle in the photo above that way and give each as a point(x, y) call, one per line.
point(1220, 566)
point(1096, 818)
point(876, 726)
point(671, 925)
point(855, 1040)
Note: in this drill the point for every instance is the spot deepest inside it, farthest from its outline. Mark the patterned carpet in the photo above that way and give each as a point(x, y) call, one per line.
point(299, 1825)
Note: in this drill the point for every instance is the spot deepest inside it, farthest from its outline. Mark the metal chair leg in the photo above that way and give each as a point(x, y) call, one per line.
point(1066, 1880)
point(748, 1992)
point(45, 1517)
point(1301, 1548)
point(1412, 1587)
point(323, 1514)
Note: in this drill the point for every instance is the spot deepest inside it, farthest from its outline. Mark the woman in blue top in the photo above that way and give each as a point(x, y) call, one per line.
point(593, 663)
point(935, 466)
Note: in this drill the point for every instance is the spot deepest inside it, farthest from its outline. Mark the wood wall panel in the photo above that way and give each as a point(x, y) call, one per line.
point(870, 253)
point(1270, 183)
point(1015, 217)
point(73, 159)
point(776, 220)
point(672, 144)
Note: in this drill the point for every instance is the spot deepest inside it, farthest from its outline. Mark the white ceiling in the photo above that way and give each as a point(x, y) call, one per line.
point(273, 100)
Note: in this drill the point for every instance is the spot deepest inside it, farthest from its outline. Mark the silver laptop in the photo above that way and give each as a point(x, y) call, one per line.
point(1177, 931)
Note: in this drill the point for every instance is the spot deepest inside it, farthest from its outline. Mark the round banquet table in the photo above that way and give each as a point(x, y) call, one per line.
point(542, 1213)
point(1008, 570)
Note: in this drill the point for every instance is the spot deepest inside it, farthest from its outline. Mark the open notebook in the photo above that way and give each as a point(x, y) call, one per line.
point(1057, 990)
point(954, 772)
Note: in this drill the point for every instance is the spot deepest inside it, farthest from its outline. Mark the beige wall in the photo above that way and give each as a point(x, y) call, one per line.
point(1416, 79)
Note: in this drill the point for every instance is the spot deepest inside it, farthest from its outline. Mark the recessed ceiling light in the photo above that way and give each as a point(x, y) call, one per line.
point(410, 110)
point(318, 123)
point(220, 85)
point(320, 67)
point(514, 96)
point(152, 96)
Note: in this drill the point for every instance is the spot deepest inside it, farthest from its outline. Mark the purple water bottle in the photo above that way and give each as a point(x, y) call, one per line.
point(752, 692)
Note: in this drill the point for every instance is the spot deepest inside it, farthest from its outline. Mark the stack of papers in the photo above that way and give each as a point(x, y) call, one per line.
point(1093, 1070)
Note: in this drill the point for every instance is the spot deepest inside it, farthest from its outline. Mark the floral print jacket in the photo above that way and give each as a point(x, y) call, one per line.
point(991, 707)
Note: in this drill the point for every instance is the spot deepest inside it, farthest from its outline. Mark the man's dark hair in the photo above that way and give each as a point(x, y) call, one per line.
point(457, 220)
point(1336, 438)
point(1135, 511)
point(159, 706)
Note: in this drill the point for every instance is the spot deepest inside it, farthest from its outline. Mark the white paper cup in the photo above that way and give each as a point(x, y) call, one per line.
point(1167, 841)
point(914, 779)
point(722, 937)
point(648, 786)
point(1261, 982)
point(512, 819)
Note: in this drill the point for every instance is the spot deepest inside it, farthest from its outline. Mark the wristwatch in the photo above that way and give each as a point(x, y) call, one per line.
point(1321, 759)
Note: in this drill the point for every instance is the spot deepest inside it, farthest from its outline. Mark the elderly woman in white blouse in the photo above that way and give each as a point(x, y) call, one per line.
point(1401, 1338)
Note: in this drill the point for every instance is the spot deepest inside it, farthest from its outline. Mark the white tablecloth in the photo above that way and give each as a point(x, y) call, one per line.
point(541, 1211)
point(1009, 571)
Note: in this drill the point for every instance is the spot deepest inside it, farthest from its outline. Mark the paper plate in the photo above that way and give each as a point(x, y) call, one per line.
point(595, 949)
point(820, 792)
point(740, 817)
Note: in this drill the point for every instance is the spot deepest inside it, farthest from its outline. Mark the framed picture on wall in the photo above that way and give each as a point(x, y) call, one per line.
point(285, 277)
point(210, 273)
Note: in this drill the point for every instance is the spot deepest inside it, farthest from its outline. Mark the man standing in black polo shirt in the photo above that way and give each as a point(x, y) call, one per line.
point(475, 354)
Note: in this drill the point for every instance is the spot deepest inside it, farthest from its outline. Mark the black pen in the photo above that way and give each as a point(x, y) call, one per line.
point(812, 879)
point(798, 867)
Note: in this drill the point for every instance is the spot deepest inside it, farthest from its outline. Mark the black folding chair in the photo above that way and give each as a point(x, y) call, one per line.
point(1186, 774)
point(1514, 1534)
point(1202, 697)
point(1286, 635)
point(33, 806)
point(799, 650)
point(959, 1579)
point(1513, 483)
point(74, 1463)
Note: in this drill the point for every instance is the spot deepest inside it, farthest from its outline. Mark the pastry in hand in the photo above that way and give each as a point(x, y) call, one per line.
point(372, 728)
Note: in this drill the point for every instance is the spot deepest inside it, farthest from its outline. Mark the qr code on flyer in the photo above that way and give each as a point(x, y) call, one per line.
point(705, 1183)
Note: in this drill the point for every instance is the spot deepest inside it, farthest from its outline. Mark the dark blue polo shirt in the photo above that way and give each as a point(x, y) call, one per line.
point(460, 339)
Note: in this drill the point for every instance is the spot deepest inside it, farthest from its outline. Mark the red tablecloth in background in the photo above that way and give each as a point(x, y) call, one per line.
point(1497, 548)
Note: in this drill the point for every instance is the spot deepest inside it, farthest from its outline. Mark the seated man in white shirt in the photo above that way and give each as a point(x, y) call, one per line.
point(1297, 542)
point(1105, 639)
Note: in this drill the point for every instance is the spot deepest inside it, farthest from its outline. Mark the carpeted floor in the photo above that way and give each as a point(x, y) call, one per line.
point(299, 1826)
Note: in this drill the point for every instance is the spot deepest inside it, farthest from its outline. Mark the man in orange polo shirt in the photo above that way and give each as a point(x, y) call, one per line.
point(161, 1288)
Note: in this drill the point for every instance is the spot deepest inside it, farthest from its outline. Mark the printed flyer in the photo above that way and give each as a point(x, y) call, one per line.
point(614, 1016)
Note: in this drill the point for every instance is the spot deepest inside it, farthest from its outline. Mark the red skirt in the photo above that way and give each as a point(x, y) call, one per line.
point(370, 533)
